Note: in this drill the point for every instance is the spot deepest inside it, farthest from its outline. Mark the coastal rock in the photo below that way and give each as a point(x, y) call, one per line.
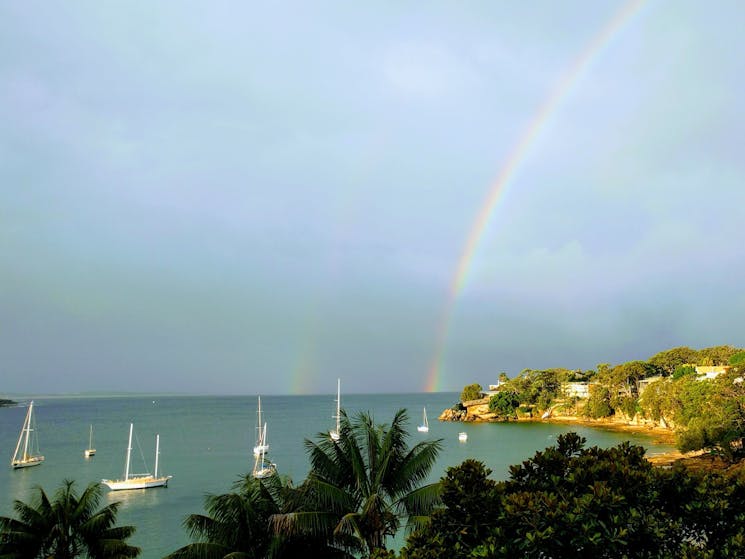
point(451, 414)
point(479, 412)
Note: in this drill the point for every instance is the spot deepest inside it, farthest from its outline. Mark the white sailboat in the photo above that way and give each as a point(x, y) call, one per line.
point(138, 481)
point(424, 427)
point(262, 467)
point(334, 433)
point(462, 436)
point(29, 454)
point(261, 446)
point(90, 451)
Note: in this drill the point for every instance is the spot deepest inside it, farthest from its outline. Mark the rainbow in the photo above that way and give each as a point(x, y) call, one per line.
point(516, 158)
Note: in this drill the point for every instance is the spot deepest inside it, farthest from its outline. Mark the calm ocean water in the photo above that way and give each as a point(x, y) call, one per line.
point(206, 444)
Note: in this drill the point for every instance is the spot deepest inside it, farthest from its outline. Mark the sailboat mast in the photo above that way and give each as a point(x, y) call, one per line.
point(27, 428)
point(157, 453)
point(259, 425)
point(129, 451)
point(90, 438)
point(338, 404)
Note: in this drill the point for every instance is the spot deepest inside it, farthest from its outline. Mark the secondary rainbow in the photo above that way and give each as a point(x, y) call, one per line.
point(516, 158)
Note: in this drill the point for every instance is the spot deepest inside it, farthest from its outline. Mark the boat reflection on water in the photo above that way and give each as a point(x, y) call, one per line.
point(133, 500)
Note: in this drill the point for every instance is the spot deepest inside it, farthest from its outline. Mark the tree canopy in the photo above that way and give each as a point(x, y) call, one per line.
point(471, 392)
point(361, 488)
point(64, 527)
point(570, 501)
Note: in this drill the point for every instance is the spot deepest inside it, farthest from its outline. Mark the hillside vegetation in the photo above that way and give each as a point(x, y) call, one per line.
point(700, 394)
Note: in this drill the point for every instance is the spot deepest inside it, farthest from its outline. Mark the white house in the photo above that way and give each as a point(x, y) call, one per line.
point(711, 371)
point(576, 389)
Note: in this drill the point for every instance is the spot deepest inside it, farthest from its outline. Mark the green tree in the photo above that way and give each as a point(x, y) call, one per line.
point(65, 527)
point(659, 401)
point(470, 504)
point(717, 355)
point(671, 359)
point(236, 523)
point(598, 403)
point(737, 359)
point(712, 414)
point(539, 387)
point(471, 392)
point(683, 370)
point(361, 487)
point(504, 404)
point(570, 501)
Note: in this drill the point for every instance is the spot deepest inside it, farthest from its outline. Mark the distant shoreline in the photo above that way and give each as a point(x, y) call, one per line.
point(660, 435)
point(7, 403)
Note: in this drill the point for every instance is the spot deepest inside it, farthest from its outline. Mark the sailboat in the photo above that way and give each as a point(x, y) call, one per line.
point(29, 456)
point(138, 481)
point(90, 451)
point(261, 446)
point(262, 467)
point(424, 427)
point(334, 433)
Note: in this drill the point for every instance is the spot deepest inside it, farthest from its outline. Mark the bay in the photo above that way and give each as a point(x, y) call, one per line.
point(206, 444)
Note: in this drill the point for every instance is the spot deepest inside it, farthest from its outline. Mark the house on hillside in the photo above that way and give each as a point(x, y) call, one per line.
point(579, 390)
point(645, 382)
point(494, 388)
point(709, 372)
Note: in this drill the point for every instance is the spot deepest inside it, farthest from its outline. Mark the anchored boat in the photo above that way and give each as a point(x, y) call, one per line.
point(138, 481)
point(27, 450)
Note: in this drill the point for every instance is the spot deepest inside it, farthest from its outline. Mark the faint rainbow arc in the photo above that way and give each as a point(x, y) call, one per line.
point(517, 155)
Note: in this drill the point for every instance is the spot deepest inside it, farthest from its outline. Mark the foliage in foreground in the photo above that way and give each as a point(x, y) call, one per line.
point(65, 527)
point(362, 487)
point(238, 524)
point(359, 491)
point(571, 501)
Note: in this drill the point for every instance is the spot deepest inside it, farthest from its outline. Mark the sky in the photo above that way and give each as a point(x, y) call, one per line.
point(260, 198)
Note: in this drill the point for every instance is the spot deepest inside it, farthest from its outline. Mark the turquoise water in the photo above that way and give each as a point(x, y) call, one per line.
point(206, 444)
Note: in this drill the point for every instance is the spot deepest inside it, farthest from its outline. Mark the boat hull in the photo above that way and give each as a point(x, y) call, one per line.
point(27, 462)
point(90, 452)
point(136, 483)
point(423, 429)
point(264, 472)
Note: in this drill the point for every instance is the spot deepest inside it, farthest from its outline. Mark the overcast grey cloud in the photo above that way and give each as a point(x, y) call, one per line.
point(252, 198)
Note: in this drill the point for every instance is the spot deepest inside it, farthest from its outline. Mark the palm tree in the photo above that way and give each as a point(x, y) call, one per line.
point(237, 523)
point(66, 527)
point(363, 485)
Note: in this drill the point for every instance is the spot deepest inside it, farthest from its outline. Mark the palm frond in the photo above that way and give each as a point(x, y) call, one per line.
point(349, 525)
point(414, 467)
point(199, 550)
point(327, 496)
point(421, 501)
point(315, 524)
